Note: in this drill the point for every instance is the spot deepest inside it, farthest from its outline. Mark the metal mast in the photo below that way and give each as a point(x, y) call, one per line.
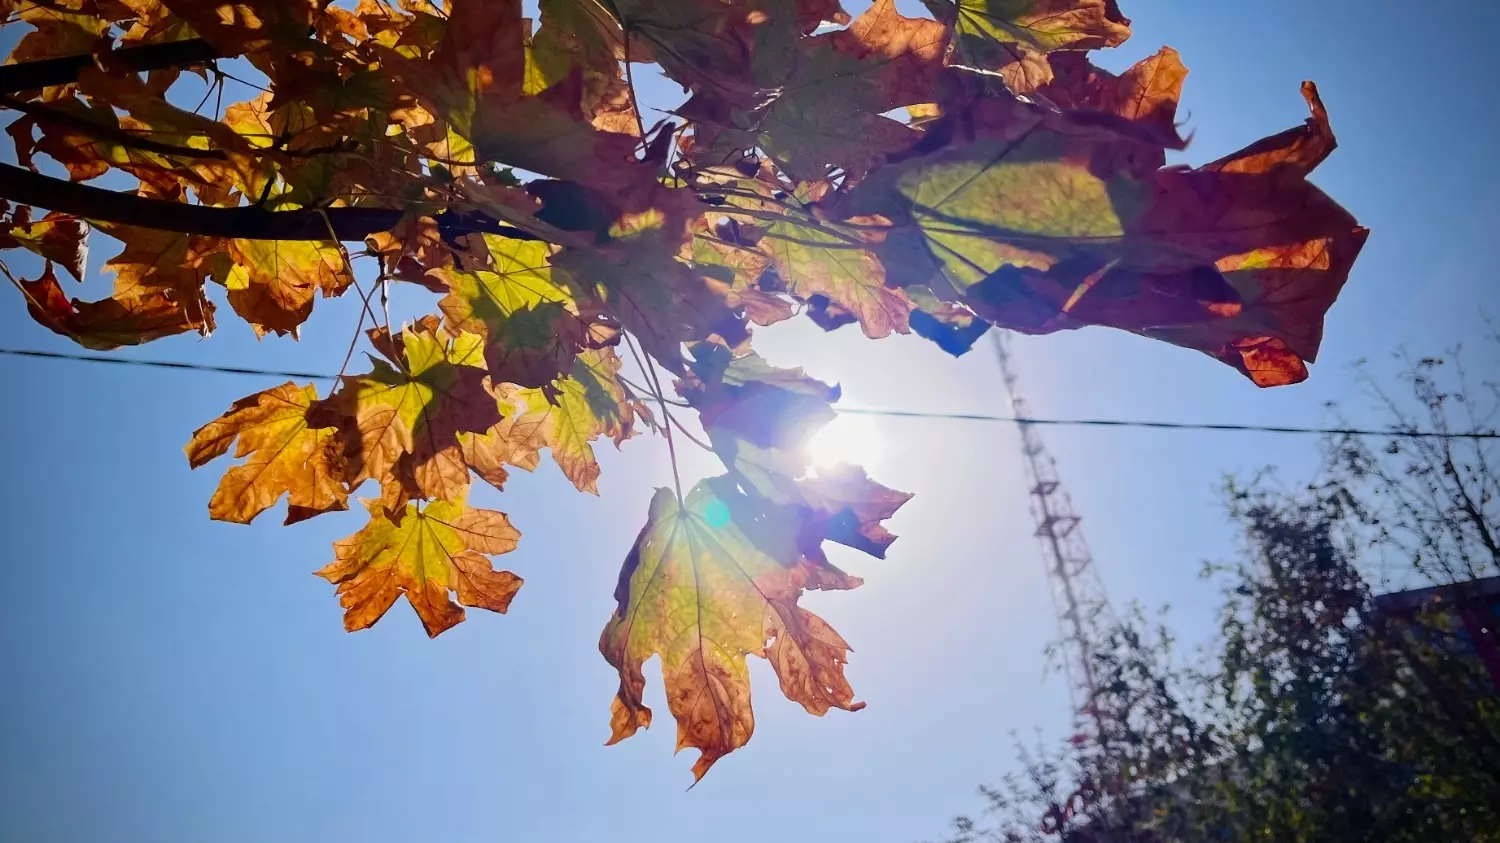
point(1077, 594)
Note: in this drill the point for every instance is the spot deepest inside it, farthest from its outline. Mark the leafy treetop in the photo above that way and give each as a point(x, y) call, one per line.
point(930, 175)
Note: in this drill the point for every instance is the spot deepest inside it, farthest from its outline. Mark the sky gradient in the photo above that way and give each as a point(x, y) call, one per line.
point(174, 679)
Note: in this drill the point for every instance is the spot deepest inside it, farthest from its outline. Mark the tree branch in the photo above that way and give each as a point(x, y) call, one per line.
point(43, 114)
point(27, 188)
point(46, 114)
point(31, 75)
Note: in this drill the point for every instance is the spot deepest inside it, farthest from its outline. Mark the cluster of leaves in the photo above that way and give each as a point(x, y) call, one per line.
point(932, 175)
point(1325, 712)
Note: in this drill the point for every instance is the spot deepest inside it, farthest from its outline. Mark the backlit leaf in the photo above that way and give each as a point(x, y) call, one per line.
point(758, 417)
point(158, 292)
point(532, 327)
point(567, 418)
point(711, 580)
point(240, 26)
point(56, 237)
point(815, 262)
point(662, 300)
point(1038, 238)
point(272, 283)
point(852, 507)
point(436, 552)
point(1146, 95)
point(404, 420)
point(884, 60)
point(477, 65)
point(58, 32)
point(1014, 36)
point(952, 326)
point(581, 36)
point(287, 455)
point(1285, 292)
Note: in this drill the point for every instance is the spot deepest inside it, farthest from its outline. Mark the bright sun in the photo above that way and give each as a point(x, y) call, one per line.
point(848, 438)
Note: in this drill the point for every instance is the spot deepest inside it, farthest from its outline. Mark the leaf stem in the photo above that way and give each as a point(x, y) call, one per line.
point(691, 438)
point(358, 330)
point(666, 414)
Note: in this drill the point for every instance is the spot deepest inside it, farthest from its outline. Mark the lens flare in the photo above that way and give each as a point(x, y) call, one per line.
point(846, 439)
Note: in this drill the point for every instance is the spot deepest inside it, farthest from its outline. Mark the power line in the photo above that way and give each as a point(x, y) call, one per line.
point(862, 411)
point(159, 364)
point(1169, 425)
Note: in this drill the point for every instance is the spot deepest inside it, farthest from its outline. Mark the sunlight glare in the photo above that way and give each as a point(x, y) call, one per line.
point(846, 439)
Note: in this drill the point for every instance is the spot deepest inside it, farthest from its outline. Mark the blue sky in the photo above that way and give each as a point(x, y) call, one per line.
point(172, 679)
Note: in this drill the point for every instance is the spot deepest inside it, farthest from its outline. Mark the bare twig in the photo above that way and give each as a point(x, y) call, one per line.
point(667, 414)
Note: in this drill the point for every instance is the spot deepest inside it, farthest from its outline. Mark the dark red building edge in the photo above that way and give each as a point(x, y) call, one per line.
point(1475, 603)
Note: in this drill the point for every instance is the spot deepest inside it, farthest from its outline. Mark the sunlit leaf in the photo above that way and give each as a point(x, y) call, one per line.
point(840, 267)
point(272, 283)
point(56, 237)
point(711, 580)
point(758, 417)
point(404, 417)
point(129, 318)
point(436, 552)
point(287, 453)
point(1013, 37)
point(567, 417)
point(532, 327)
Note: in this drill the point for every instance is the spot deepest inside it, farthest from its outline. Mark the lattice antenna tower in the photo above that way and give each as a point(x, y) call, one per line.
point(1078, 596)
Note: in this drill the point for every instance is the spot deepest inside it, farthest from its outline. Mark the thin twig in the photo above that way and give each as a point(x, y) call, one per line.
point(349, 268)
point(358, 329)
point(667, 414)
point(635, 106)
point(691, 438)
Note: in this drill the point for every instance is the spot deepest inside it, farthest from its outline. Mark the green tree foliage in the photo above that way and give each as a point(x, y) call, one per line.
point(1321, 715)
point(935, 175)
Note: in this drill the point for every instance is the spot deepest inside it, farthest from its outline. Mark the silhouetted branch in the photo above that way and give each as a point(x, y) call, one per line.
point(27, 188)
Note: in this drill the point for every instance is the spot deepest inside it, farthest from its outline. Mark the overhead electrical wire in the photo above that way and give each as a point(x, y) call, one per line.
point(863, 411)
